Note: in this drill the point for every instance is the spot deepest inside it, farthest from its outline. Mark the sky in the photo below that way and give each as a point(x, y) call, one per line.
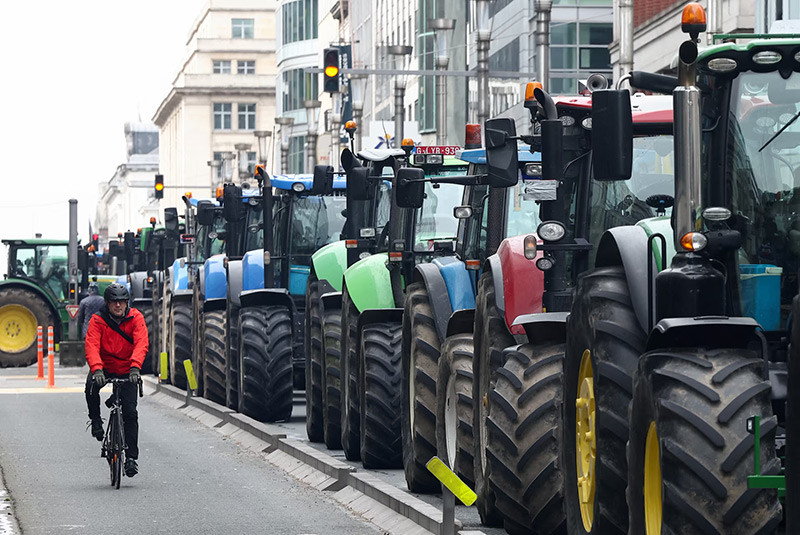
point(74, 73)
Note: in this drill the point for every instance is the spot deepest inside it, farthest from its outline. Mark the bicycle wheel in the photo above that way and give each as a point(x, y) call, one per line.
point(119, 446)
point(112, 451)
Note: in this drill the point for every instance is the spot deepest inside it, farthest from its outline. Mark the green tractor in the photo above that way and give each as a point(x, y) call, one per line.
point(35, 292)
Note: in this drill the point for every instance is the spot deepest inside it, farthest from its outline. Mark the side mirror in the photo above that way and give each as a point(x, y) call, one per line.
point(612, 135)
point(501, 152)
point(357, 179)
point(171, 221)
point(552, 148)
point(205, 213)
point(232, 207)
point(323, 180)
point(410, 189)
point(348, 160)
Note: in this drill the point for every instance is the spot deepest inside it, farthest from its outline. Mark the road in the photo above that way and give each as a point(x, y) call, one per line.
point(192, 479)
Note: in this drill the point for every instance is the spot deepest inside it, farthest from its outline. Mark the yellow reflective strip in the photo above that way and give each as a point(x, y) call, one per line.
point(450, 480)
point(164, 373)
point(187, 364)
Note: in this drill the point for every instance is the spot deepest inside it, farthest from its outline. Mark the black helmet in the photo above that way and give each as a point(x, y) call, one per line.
point(116, 292)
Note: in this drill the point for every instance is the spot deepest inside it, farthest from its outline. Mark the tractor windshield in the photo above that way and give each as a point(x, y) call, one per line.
point(435, 220)
point(316, 221)
point(762, 165)
point(45, 264)
point(254, 239)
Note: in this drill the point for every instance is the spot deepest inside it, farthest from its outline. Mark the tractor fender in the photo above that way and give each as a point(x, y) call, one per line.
point(331, 300)
point(138, 283)
point(34, 289)
point(268, 297)
point(180, 275)
point(460, 287)
point(379, 315)
point(627, 246)
point(234, 281)
point(461, 322)
point(368, 283)
point(329, 264)
point(252, 270)
point(211, 305)
point(520, 282)
point(438, 295)
point(710, 331)
point(216, 279)
point(544, 326)
point(201, 278)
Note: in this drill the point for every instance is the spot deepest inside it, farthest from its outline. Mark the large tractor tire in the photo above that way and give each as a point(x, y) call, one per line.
point(380, 380)
point(232, 373)
point(604, 343)
point(332, 378)
point(420, 370)
point(180, 341)
point(265, 391)
point(199, 351)
point(351, 411)
point(454, 406)
point(312, 338)
point(155, 338)
point(690, 452)
point(21, 312)
point(214, 364)
point(147, 314)
point(491, 337)
point(525, 439)
point(793, 425)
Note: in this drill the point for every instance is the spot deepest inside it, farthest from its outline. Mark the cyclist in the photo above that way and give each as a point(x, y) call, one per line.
point(116, 344)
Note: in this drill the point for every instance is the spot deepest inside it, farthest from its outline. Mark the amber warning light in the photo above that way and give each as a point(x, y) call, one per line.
point(693, 19)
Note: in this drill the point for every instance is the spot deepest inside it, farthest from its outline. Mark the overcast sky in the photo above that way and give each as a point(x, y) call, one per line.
point(73, 74)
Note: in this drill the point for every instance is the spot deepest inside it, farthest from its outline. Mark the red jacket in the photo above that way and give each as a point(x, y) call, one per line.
point(108, 350)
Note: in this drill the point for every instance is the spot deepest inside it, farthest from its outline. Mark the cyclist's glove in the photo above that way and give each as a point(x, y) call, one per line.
point(99, 378)
point(134, 376)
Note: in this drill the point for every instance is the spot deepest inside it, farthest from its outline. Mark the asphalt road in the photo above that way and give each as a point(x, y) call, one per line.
point(192, 479)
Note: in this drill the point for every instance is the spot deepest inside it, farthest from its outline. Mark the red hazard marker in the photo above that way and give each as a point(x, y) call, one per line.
point(39, 353)
point(51, 372)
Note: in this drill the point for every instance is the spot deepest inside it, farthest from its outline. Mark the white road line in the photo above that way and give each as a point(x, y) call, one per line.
point(8, 522)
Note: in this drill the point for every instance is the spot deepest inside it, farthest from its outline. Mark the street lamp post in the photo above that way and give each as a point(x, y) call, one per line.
point(227, 166)
point(285, 123)
point(401, 55)
point(336, 121)
point(483, 36)
point(358, 84)
point(442, 28)
point(214, 165)
point(311, 107)
point(542, 36)
point(241, 153)
point(261, 136)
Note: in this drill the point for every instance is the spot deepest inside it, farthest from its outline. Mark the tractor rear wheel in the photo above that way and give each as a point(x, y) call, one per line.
point(180, 341)
point(690, 452)
point(491, 337)
point(332, 378)
point(232, 373)
point(265, 392)
point(214, 364)
point(21, 312)
point(313, 356)
point(351, 411)
point(380, 395)
point(420, 370)
point(525, 439)
point(454, 406)
point(604, 343)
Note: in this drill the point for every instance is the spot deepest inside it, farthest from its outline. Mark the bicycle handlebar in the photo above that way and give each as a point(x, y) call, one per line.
point(115, 380)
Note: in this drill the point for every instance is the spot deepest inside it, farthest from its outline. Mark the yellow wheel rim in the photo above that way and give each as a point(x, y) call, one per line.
point(586, 440)
point(652, 482)
point(17, 328)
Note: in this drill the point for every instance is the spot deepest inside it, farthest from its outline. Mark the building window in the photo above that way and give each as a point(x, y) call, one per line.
point(506, 59)
point(251, 162)
point(297, 87)
point(299, 19)
point(577, 50)
point(222, 115)
point(242, 28)
point(297, 146)
point(222, 66)
point(247, 116)
point(247, 66)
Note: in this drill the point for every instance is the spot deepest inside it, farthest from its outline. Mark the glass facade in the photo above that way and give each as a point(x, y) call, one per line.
point(297, 146)
point(298, 86)
point(578, 49)
point(299, 21)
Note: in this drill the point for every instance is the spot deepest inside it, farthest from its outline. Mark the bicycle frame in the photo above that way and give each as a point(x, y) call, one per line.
point(114, 445)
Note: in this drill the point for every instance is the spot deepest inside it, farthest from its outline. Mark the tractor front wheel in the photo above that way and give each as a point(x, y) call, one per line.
point(21, 312)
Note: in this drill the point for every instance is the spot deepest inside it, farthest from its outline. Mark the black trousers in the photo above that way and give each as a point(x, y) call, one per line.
point(130, 416)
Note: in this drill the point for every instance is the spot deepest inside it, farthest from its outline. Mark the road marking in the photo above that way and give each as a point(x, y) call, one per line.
point(8, 522)
point(29, 377)
point(44, 390)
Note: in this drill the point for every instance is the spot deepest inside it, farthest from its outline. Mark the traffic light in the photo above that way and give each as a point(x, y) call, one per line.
point(330, 58)
point(159, 186)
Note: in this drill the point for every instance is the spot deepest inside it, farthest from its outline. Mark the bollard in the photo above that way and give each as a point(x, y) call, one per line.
point(191, 381)
point(51, 372)
point(452, 486)
point(163, 375)
point(39, 353)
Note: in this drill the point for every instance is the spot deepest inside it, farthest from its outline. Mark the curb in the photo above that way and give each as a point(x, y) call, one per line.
point(343, 475)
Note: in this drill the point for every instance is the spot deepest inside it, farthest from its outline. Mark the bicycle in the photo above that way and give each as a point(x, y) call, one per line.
point(113, 448)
